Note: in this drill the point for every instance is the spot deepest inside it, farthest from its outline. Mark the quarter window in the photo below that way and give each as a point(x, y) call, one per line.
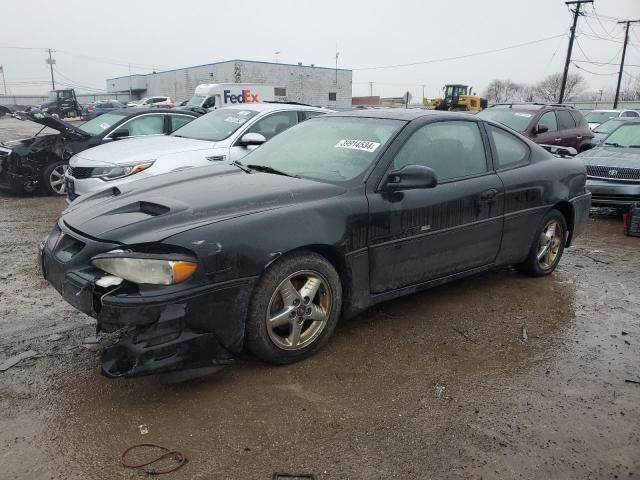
point(310, 114)
point(145, 125)
point(629, 113)
point(274, 124)
point(452, 149)
point(178, 121)
point(549, 119)
point(565, 120)
point(508, 149)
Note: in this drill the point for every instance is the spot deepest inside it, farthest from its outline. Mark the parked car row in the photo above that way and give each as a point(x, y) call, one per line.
point(296, 217)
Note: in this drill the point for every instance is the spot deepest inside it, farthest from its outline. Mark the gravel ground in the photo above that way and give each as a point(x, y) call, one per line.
point(440, 384)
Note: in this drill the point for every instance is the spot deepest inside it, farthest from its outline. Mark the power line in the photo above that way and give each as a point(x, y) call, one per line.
point(590, 72)
point(446, 59)
point(605, 63)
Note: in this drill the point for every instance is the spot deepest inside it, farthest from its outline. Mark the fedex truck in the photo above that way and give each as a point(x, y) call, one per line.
point(216, 95)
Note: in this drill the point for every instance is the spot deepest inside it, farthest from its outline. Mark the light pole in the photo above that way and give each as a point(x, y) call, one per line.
point(277, 53)
point(4, 81)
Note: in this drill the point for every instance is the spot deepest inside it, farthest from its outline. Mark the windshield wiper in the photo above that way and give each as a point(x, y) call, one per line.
point(267, 169)
point(634, 146)
point(613, 144)
point(241, 166)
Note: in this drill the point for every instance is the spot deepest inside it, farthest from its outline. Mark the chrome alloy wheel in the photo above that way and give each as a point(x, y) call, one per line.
point(56, 179)
point(299, 310)
point(549, 244)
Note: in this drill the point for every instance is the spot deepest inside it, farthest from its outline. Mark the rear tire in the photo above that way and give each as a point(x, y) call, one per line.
point(294, 308)
point(53, 178)
point(547, 248)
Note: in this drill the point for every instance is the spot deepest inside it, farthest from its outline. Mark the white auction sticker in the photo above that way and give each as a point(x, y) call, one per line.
point(528, 115)
point(104, 126)
point(364, 145)
point(239, 121)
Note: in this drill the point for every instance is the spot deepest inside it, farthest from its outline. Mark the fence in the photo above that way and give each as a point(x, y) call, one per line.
point(83, 98)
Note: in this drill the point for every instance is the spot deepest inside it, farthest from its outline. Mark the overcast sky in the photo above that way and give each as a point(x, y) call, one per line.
point(96, 40)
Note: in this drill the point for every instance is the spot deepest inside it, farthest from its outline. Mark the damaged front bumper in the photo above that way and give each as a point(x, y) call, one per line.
point(159, 329)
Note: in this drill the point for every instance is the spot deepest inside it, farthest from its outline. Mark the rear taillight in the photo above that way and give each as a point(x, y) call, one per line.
point(89, 109)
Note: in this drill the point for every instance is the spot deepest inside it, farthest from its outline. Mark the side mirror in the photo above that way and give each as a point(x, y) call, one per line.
point(252, 139)
point(410, 177)
point(541, 128)
point(120, 133)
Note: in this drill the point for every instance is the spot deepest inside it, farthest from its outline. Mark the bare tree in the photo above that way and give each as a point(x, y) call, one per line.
point(548, 90)
point(502, 91)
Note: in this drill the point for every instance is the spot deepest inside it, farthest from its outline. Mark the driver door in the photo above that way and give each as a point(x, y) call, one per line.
point(428, 233)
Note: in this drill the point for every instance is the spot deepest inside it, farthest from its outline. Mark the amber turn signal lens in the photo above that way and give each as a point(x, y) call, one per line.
point(182, 271)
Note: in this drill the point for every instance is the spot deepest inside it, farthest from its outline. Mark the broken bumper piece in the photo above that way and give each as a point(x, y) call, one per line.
point(159, 329)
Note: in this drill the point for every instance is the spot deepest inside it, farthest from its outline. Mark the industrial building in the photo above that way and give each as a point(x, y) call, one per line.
point(319, 86)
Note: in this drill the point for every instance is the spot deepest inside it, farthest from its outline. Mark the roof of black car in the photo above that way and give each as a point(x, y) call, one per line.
point(406, 114)
point(137, 110)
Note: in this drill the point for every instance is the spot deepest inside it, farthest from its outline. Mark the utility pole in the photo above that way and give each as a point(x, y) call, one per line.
point(4, 81)
point(624, 52)
point(371, 89)
point(51, 62)
point(337, 55)
point(423, 93)
point(576, 14)
point(277, 53)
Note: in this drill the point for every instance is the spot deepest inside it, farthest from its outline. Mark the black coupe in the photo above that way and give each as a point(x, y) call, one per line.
point(328, 218)
point(41, 160)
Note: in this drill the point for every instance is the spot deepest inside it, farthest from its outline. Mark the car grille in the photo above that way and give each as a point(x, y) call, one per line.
point(616, 173)
point(80, 172)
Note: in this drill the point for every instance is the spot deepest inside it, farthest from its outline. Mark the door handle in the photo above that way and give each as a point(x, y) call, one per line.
point(558, 139)
point(489, 194)
point(579, 137)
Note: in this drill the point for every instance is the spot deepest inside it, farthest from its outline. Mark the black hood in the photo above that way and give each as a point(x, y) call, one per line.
point(153, 209)
point(51, 122)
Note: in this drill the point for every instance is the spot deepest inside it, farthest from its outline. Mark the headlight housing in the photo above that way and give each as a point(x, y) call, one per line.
point(113, 173)
point(146, 268)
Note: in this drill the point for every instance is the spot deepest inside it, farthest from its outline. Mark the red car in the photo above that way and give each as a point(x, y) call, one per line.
point(545, 124)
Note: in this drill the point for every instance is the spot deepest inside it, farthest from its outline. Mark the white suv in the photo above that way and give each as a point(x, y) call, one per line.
point(227, 134)
point(153, 102)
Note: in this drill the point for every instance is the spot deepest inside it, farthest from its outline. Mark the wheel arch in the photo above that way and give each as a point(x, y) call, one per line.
point(568, 213)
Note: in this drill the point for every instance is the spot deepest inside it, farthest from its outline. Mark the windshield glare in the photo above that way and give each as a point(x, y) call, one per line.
point(517, 120)
point(608, 126)
point(334, 150)
point(625, 136)
point(196, 101)
point(600, 117)
point(217, 125)
point(99, 124)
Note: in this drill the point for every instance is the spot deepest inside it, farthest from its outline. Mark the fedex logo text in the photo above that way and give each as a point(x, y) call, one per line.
point(246, 97)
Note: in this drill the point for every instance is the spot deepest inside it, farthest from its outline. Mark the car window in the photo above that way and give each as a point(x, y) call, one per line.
point(578, 117)
point(310, 114)
point(178, 121)
point(508, 149)
point(336, 150)
point(625, 136)
point(99, 124)
point(274, 124)
point(549, 119)
point(217, 125)
point(565, 120)
point(608, 126)
point(599, 117)
point(145, 125)
point(452, 149)
point(519, 120)
point(629, 113)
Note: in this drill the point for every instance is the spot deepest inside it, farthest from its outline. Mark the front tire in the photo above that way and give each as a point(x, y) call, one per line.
point(548, 246)
point(53, 178)
point(294, 308)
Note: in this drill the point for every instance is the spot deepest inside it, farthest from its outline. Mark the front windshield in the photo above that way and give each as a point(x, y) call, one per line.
point(608, 126)
point(217, 125)
point(196, 101)
point(600, 117)
point(625, 136)
point(99, 124)
point(334, 150)
point(517, 120)
point(53, 96)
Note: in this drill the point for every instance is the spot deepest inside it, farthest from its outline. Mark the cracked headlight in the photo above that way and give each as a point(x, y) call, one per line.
point(112, 173)
point(146, 268)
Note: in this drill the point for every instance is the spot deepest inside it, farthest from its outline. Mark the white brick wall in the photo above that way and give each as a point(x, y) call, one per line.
point(304, 84)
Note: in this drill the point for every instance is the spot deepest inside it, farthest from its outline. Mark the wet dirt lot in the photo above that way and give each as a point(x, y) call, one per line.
point(439, 384)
